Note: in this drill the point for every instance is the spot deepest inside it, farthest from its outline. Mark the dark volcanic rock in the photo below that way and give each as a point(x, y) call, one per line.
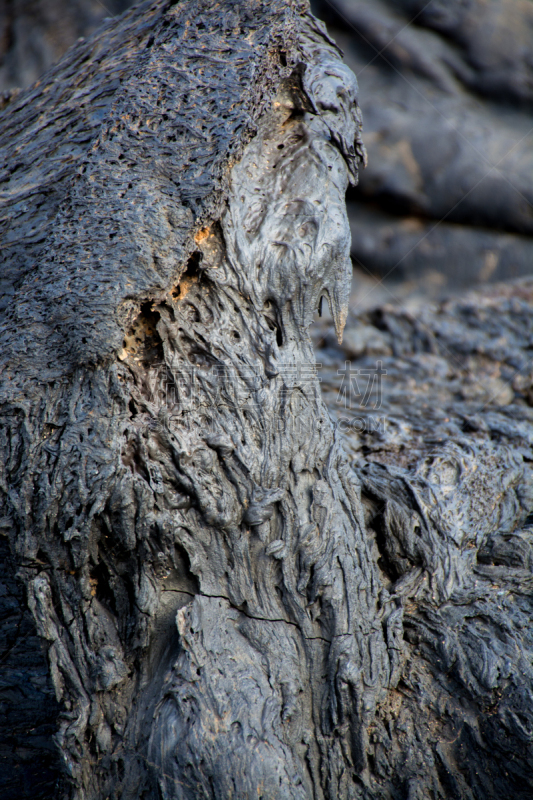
point(413, 248)
point(34, 34)
point(494, 42)
point(447, 94)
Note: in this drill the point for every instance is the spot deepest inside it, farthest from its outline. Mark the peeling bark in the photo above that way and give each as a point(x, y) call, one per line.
point(216, 615)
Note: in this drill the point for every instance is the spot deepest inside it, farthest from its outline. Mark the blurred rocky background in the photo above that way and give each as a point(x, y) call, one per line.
point(446, 89)
point(34, 34)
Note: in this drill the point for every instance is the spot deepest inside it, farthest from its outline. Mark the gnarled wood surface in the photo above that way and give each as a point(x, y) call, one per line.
point(228, 608)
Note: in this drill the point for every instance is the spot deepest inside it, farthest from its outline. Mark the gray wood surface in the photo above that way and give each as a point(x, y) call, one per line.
point(234, 597)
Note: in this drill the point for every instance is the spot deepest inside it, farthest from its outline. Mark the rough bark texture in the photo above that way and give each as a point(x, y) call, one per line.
point(224, 613)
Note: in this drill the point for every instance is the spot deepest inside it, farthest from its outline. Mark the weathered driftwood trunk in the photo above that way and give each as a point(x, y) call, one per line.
point(218, 620)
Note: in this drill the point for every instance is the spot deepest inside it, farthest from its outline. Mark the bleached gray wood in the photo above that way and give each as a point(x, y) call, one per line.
point(184, 520)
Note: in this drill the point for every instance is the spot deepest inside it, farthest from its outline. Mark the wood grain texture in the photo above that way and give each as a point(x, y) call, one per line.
point(227, 606)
